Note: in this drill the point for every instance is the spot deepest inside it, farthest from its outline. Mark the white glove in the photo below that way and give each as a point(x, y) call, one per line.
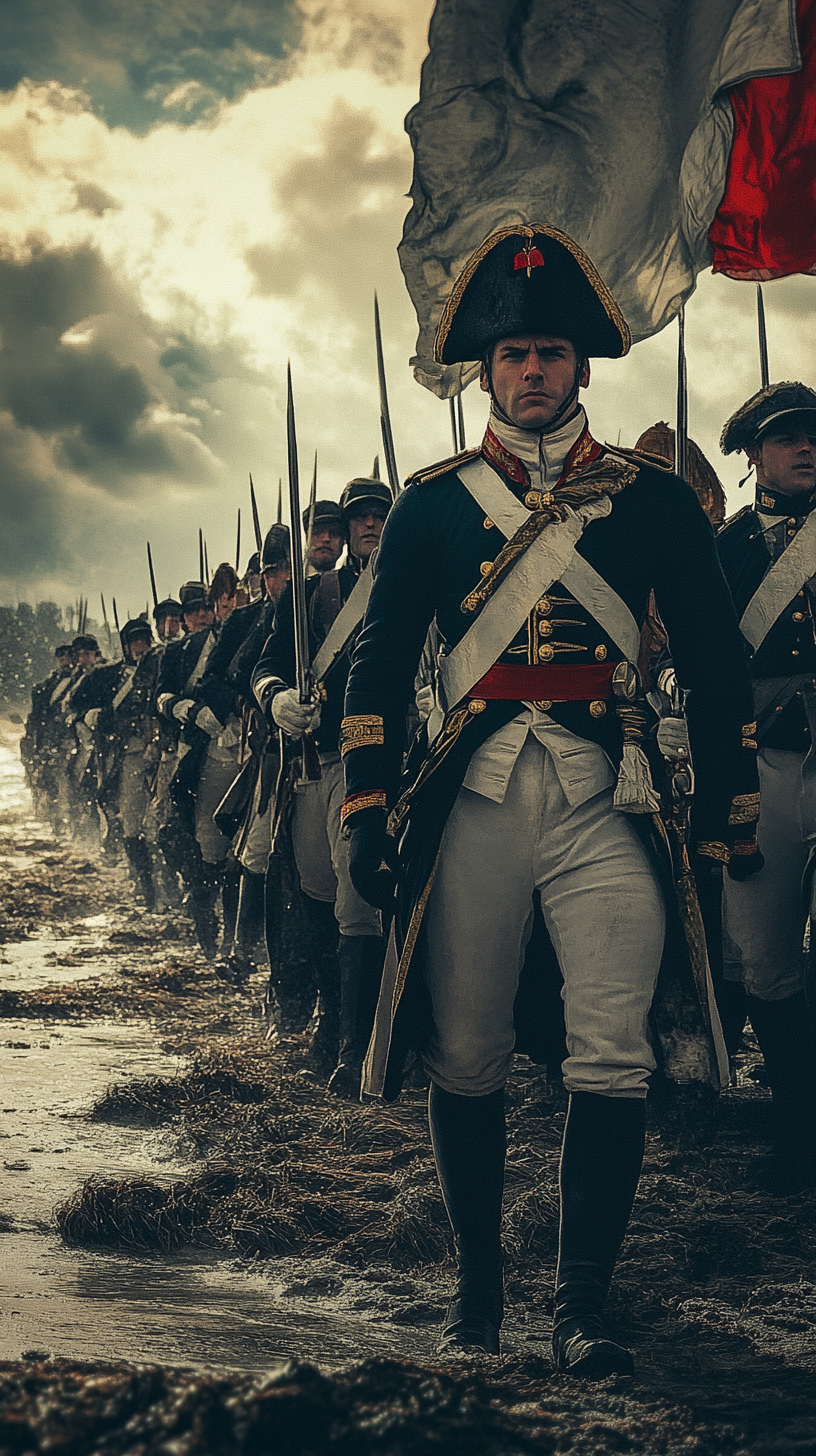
point(294, 717)
point(205, 718)
point(426, 702)
point(92, 717)
point(673, 739)
point(181, 709)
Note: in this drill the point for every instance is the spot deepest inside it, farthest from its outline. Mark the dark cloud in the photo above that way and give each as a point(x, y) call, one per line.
point(144, 60)
point(33, 501)
point(94, 200)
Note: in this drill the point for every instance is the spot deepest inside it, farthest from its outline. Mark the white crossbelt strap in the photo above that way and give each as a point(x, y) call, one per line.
point(343, 626)
point(198, 671)
point(119, 697)
point(552, 557)
point(59, 690)
point(786, 577)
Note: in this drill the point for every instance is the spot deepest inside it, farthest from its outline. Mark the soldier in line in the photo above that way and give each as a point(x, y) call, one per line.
point(515, 798)
point(39, 746)
point(767, 551)
point(350, 975)
point(115, 702)
point(168, 618)
point(77, 780)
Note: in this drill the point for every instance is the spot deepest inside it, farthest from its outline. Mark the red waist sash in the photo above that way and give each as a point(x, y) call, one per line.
point(532, 682)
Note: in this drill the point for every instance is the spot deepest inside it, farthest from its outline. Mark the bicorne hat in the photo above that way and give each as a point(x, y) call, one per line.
point(528, 279)
point(772, 405)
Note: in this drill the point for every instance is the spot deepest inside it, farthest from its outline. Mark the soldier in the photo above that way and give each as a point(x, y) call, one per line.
point(115, 702)
point(168, 619)
point(222, 594)
point(325, 536)
point(768, 551)
point(516, 798)
point(78, 769)
point(321, 853)
point(40, 746)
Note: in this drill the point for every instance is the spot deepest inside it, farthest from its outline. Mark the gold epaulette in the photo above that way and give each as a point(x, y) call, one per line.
point(732, 520)
point(642, 457)
point(431, 472)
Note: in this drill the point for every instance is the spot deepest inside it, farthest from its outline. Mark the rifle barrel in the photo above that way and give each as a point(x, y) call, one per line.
point(296, 547)
point(152, 576)
point(256, 520)
point(238, 545)
point(385, 416)
point(200, 554)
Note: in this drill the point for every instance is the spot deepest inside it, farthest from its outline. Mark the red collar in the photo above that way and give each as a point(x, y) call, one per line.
point(582, 453)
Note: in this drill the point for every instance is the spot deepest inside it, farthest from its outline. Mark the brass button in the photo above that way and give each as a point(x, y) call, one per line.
point(488, 524)
point(791, 520)
point(545, 629)
point(795, 652)
point(485, 567)
point(545, 606)
point(597, 708)
point(798, 616)
point(543, 703)
point(600, 653)
point(532, 500)
point(546, 653)
point(477, 705)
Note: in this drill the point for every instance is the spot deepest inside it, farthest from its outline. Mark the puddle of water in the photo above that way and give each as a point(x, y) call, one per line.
point(48, 958)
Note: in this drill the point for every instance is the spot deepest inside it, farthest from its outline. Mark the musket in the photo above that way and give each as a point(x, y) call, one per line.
point(115, 614)
point(107, 623)
point(238, 545)
point(200, 554)
point(461, 417)
point(206, 565)
point(681, 430)
point(764, 373)
point(256, 520)
point(385, 417)
point(152, 576)
point(280, 501)
point(454, 431)
point(303, 671)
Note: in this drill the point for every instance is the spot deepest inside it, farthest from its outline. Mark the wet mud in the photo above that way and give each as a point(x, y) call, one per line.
point(202, 1251)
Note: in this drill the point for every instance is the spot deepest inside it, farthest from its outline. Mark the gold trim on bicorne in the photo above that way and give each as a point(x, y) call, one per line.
point(369, 799)
point(528, 231)
point(361, 730)
point(603, 477)
point(712, 849)
point(744, 809)
point(442, 745)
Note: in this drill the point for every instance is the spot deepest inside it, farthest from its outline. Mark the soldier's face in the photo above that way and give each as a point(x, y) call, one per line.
point(169, 628)
point(65, 666)
point(275, 579)
point(139, 647)
point(199, 618)
point(85, 658)
point(786, 461)
point(325, 545)
point(365, 530)
point(532, 377)
point(225, 606)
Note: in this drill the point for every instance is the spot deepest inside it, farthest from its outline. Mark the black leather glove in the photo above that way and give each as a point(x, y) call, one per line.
point(373, 858)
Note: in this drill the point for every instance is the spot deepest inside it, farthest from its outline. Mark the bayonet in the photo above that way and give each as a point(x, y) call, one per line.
point(256, 520)
point(107, 623)
point(115, 613)
point(375, 469)
point(280, 501)
point(303, 672)
point(385, 417)
point(238, 545)
point(454, 431)
point(152, 576)
point(206, 566)
point(200, 554)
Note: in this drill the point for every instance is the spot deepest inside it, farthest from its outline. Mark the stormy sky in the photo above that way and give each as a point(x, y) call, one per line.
point(193, 191)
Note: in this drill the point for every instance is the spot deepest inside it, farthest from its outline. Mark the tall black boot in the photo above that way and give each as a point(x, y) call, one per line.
point(142, 866)
point(249, 930)
point(601, 1159)
point(361, 960)
point(229, 876)
point(787, 1039)
point(469, 1140)
point(203, 895)
point(322, 935)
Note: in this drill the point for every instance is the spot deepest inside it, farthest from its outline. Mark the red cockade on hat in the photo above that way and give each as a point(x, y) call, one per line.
point(528, 258)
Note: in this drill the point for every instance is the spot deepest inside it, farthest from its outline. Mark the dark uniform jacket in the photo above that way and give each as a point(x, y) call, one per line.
point(325, 595)
point(436, 548)
point(747, 550)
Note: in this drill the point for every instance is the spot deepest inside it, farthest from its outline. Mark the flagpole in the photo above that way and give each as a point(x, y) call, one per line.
point(763, 340)
point(681, 428)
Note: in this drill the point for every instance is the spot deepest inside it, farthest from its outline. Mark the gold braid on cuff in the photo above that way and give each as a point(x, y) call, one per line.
point(744, 809)
point(370, 799)
point(361, 730)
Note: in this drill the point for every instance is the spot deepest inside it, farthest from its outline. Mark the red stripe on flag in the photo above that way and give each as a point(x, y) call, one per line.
point(765, 226)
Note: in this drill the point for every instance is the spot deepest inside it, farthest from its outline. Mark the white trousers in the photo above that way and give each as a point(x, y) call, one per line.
point(604, 913)
point(764, 918)
point(217, 775)
point(254, 855)
point(133, 800)
point(321, 852)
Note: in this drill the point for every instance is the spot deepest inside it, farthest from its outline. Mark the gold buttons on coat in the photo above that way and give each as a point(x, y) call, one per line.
point(600, 653)
point(485, 567)
point(543, 703)
point(488, 524)
point(597, 708)
point(545, 629)
point(546, 653)
point(798, 616)
point(477, 705)
point(545, 606)
point(535, 499)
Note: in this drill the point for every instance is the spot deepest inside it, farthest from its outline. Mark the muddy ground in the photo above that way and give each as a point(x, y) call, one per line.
point(201, 1251)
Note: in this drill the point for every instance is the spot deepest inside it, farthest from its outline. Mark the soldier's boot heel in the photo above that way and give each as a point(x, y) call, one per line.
point(360, 959)
point(601, 1159)
point(321, 928)
point(468, 1138)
